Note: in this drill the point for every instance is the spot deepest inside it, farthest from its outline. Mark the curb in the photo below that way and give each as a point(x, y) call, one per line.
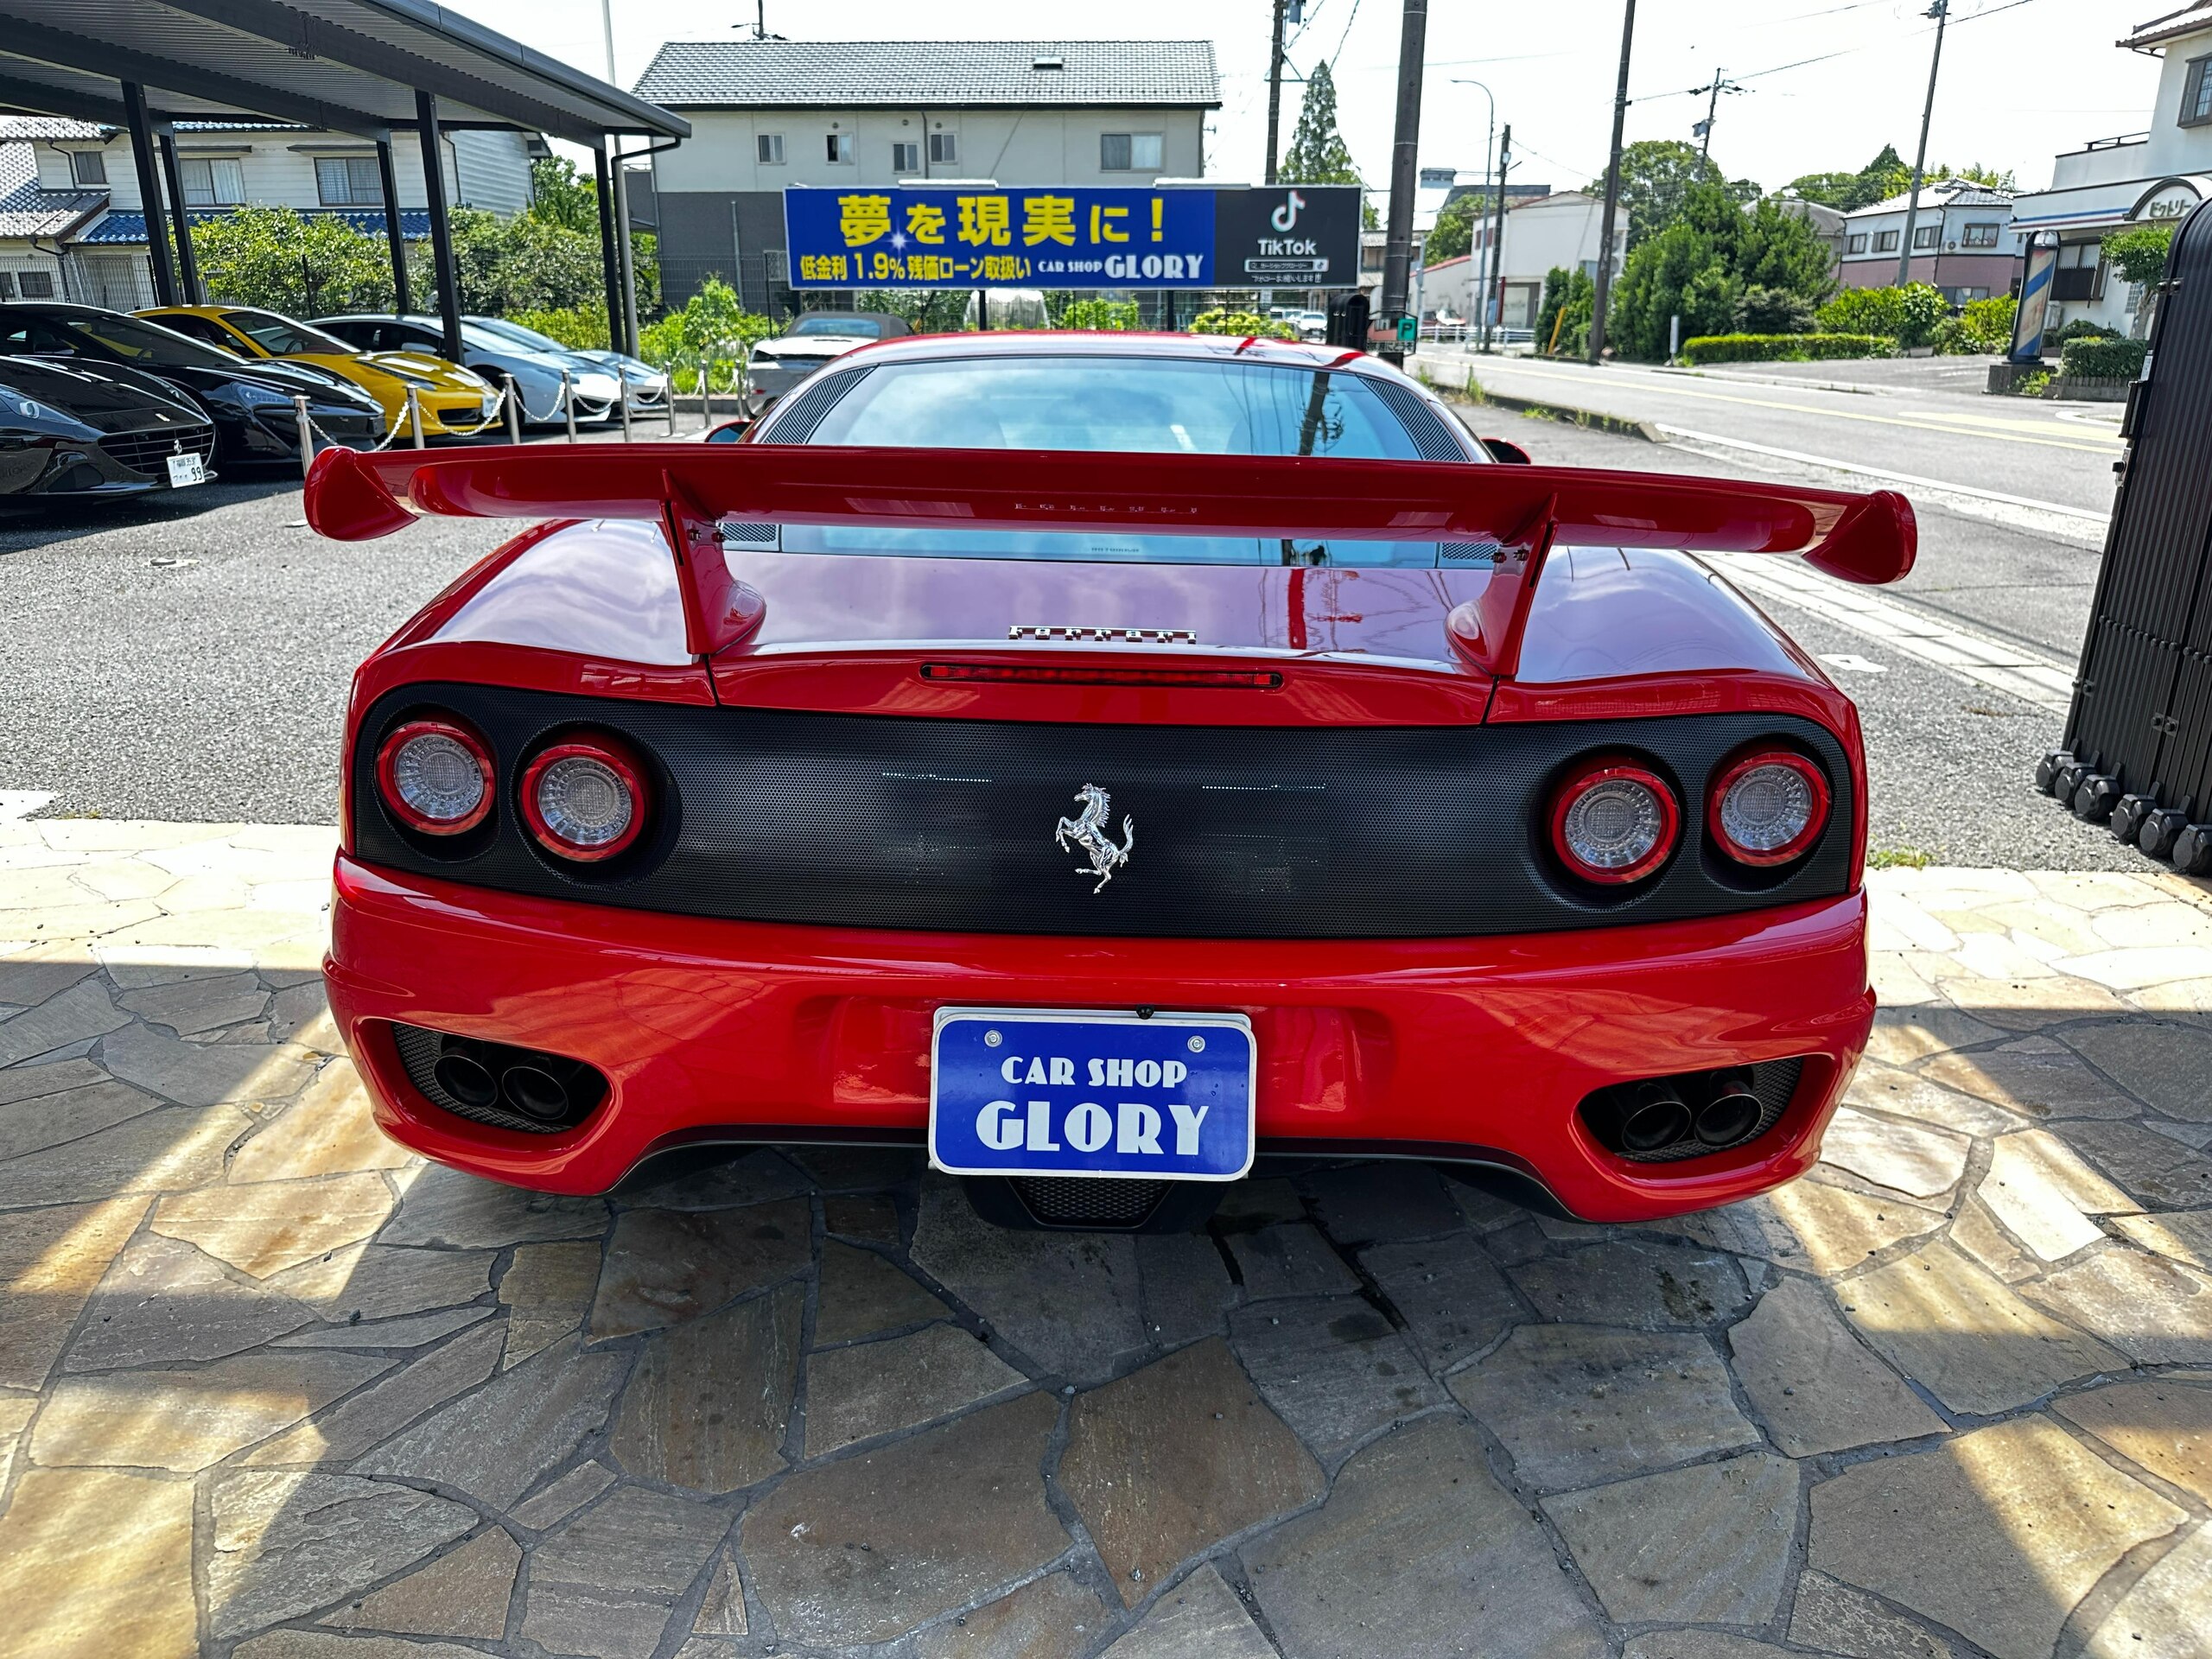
point(1536, 409)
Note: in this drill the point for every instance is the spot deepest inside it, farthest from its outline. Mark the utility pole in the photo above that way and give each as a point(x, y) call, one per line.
point(1612, 191)
point(1496, 280)
point(1940, 12)
point(1490, 181)
point(1405, 151)
point(1274, 90)
point(1704, 129)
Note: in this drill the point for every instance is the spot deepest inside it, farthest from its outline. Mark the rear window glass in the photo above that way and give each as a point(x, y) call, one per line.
point(1126, 405)
point(830, 323)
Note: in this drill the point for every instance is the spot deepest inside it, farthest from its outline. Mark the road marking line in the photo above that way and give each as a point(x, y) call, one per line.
point(1961, 651)
point(1936, 422)
point(2084, 514)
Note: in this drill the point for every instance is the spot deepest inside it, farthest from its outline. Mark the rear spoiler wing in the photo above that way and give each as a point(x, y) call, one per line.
point(1525, 511)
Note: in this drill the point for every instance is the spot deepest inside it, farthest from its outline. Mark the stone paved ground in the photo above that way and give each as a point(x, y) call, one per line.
point(269, 1388)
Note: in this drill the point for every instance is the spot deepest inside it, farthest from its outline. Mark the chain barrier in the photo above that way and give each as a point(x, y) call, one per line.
point(508, 399)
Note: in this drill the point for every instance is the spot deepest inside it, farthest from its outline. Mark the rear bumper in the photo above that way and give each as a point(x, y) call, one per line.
point(1475, 1048)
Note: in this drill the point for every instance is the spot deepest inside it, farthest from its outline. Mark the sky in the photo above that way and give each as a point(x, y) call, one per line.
point(2021, 79)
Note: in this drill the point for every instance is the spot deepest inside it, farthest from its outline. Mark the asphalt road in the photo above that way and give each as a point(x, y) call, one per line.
point(188, 657)
point(1914, 418)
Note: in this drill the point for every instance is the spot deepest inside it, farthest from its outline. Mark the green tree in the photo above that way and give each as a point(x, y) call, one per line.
point(1318, 152)
point(301, 264)
point(1563, 320)
point(1453, 233)
point(561, 194)
point(1716, 266)
point(1848, 191)
point(1657, 175)
point(2138, 253)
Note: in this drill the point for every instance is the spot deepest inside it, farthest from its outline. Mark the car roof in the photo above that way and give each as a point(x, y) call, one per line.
point(1044, 342)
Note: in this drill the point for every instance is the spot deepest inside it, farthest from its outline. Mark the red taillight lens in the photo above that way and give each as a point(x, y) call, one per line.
point(436, 777)
point(584, 799)
point(1614, 822)
point(1768, 808)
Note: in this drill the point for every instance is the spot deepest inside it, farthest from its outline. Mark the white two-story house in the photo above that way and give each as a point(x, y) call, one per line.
point(2146, 177)
point(766, 115)
point(73, 226)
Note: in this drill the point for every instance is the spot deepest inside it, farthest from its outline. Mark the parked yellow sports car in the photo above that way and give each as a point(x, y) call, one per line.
point(455, 400)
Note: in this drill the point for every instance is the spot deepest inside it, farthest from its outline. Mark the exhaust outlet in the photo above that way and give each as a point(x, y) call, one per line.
point(535, 1092)
point(1730, 1113)
point(467, 1078)
point(1656, 1117)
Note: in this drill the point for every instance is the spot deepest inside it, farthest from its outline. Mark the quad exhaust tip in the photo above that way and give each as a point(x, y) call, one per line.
point(1661, 1120)
point(506, 1087)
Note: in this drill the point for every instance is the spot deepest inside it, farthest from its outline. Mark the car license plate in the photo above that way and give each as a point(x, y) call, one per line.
point(1027, 1091)
point(186, 470)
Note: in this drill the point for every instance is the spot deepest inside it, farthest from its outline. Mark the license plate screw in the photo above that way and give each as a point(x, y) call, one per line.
point(1198, 1044)
point(992, 1039)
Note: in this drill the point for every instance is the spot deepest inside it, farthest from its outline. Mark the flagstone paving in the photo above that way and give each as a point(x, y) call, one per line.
point(272, 1387)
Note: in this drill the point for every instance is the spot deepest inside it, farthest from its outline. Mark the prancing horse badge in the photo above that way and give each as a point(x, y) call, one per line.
point(1087, 830)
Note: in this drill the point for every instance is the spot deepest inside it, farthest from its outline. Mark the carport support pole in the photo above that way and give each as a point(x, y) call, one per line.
point(622, 259)
point(610, 262)
point(434, 187)
point(188, 265)
point(149, 192)
point(388, 176)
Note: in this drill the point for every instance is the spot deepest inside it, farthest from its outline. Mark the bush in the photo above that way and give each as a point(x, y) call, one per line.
point(1775, 311)
point(580, 327)
point(297, 264)
point(1785, 348)
point(2102, 359)
point(1103, 316)
point(2079, 328)
point(1242, 324)
point(1908, 315)
point(712, 320)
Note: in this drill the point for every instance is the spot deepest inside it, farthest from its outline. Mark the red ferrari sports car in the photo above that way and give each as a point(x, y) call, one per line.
point(1100, 759)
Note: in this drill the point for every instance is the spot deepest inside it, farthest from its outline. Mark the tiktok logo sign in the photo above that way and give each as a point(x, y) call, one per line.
point(1285, 218)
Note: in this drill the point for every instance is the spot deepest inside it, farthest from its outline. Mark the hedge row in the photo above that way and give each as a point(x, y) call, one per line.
point(2102, 359)
point(1784, 349)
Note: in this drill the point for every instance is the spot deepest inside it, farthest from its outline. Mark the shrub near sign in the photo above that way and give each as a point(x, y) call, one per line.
point(1072, 237)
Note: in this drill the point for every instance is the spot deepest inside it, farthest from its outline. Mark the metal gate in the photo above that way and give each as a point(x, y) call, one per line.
point(2139, 738)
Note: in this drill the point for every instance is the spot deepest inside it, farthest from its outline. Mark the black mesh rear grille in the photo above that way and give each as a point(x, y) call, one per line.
point(1239, 832)
point(1432, 438)
point(1072, 1201)
point(149, 452)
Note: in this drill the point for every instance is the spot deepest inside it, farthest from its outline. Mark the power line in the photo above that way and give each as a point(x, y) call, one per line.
point(1844, 52)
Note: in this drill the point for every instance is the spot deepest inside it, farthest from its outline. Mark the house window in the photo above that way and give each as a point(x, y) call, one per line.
point(905, 159)
point(1128, 152)
point(348, 181)
point(1979, 236)
point(945, 147)
point(1858, 243)
point(2196, 93)
point(210, 181)
point(1886, 241)
point(36, 284)
point(7, 284)
point(770, 146)
point(1926, 236)
point(840, 146)
point(88, 166)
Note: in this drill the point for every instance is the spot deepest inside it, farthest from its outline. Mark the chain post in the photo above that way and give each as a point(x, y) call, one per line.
point(568, 404)
point(510, 394)
point(414, 415)
point(307, 432)
point(625, 409)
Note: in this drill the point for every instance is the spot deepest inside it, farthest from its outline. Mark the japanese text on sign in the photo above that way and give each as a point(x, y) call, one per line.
point(967, 238)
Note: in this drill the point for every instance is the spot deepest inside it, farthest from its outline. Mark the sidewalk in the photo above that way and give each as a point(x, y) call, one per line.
point(270, 1386)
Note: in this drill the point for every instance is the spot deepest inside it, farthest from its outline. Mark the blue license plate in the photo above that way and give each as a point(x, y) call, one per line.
point(1031, 1092)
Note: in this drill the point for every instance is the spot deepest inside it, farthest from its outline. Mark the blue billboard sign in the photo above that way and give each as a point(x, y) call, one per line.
point(977, 235)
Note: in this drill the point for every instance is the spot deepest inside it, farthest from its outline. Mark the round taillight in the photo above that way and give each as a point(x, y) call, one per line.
point(584, 799)
point(435, 776)
point(1614, 822)
point(1768, 808)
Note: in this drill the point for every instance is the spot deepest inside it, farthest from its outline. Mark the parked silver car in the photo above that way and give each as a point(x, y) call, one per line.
point(812, 341)
point(534, 375)
point(648, 386)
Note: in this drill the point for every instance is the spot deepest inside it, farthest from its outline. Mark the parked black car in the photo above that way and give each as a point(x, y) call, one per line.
point(81, 429)
point(251, 403)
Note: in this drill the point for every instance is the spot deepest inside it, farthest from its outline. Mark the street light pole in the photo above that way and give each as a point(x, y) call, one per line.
point(1497, 239)
point(1489, 155)
point(1612, 191)
point(1405, 149)
point(1940, 12)
point(1274, 90)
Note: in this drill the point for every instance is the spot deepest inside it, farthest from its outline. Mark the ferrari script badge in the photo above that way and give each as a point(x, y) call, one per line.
point(1087, 830)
